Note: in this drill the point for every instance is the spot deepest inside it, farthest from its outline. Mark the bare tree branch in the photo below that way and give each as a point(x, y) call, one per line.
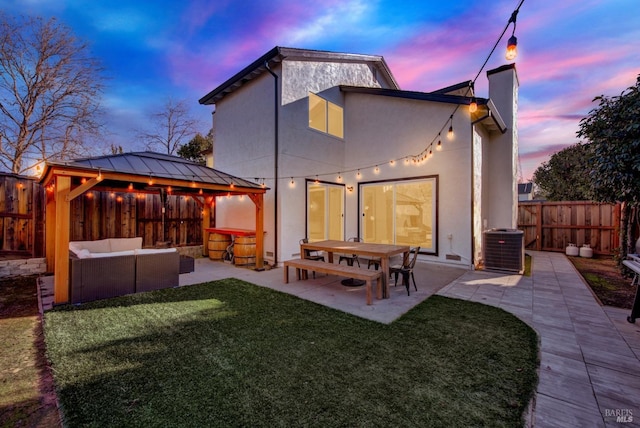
point(173, 127)
point(49, 92)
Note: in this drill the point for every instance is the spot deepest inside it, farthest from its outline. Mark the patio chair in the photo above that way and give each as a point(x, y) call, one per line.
point(228, 255)
point(406, 269)
point(353, 257)
point(311, 254)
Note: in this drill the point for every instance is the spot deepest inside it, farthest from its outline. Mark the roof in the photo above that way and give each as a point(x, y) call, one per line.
point(154, 166)
point(278, 54)
point(487, 112)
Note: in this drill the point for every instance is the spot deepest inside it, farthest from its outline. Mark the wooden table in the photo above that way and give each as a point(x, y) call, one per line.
point(383, 251)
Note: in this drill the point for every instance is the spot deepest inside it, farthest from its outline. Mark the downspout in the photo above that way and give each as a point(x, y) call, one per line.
point(473, 241)
point(275, 165)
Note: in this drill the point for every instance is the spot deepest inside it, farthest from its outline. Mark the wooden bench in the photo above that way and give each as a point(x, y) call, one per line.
point(633, 263)
point(304, 265)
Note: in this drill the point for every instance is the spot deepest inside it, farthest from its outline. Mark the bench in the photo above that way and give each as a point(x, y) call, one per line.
point(304, 265)
point(633, 263)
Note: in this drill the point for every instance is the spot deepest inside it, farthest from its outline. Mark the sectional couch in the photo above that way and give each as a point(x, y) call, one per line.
point(118, 266)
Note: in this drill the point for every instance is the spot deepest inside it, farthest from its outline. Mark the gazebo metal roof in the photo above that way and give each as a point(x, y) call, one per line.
point(155, 166)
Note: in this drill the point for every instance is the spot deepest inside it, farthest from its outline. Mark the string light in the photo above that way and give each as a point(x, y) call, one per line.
point(130, 187)
point(512, 44)
point(473, 106)
point(427, 153)
point(150, 181)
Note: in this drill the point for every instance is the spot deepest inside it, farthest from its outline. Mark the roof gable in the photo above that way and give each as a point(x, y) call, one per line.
point(278, 54)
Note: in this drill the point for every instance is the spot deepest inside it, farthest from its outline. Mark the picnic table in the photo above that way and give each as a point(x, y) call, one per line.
point(367, 249)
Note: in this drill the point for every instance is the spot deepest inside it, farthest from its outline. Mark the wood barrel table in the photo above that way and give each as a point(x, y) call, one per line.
point(217, 245)
point(244, 250)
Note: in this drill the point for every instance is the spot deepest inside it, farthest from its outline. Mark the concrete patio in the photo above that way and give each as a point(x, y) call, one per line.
point(589, 355)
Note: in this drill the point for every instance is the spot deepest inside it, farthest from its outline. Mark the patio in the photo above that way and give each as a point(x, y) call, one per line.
point(590, 356)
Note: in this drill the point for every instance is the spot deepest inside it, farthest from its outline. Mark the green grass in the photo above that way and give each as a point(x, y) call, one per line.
point(229, 353)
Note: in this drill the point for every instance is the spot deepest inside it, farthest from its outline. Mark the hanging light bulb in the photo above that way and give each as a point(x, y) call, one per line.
point(358, 175)
point(392, 162)
point(473, 106)
point(512, 47)
point(376, 170)
point(450, 132)
point(339, 177)
point(512, 43)
point(439, 145)
point(317, 181)
point(292, 183)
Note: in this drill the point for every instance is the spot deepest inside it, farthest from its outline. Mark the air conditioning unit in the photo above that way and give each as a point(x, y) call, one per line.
point(504, 250)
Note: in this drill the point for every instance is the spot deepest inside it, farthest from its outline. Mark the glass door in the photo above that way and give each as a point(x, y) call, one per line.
point(325, 211)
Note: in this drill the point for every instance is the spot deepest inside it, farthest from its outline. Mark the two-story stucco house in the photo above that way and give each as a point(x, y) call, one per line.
point(346, 153)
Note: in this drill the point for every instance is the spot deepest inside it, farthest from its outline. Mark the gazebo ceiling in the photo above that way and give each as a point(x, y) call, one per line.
point(147, 172)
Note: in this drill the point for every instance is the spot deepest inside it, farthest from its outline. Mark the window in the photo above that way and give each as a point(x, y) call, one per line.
point(325, 116)
point(325, 207)
point(400, 212)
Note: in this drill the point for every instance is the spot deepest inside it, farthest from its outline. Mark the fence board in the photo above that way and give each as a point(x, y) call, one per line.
point(551, 226)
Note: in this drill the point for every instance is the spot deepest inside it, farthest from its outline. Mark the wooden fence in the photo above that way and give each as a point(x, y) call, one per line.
point(552, 226)
point(21, 216)
point(99, 215)
point(94, 215)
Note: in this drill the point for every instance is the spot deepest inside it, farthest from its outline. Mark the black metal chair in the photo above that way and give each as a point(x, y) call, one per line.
point(406, 269)
point(311, 254)
point(353, 257)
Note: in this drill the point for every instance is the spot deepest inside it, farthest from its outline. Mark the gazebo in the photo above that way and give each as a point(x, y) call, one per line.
point(142, 172)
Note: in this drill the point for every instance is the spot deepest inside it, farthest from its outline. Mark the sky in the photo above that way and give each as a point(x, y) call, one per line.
point(569, 51)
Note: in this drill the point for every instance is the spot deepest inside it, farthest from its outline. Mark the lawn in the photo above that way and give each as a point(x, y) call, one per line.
point(229, 353)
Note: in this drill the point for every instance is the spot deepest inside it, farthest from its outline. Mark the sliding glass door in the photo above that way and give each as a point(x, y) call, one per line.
point(400, 212)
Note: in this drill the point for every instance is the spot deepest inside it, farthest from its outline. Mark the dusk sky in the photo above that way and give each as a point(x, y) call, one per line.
point(569, 51)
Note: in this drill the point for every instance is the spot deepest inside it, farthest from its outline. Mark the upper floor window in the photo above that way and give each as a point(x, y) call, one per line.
point(325, 116)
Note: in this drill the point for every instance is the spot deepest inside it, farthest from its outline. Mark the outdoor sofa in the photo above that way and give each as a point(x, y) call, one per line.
point(117, 266)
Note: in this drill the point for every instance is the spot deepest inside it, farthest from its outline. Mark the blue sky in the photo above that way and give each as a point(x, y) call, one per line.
point(570, 51)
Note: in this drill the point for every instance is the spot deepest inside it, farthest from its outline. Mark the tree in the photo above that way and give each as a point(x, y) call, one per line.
point(613, 131)
point(194, 149)
point(49, 92)
point(172, 125)
point(565, 177)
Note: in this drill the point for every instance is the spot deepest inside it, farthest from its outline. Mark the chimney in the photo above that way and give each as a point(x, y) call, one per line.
point(503, 148)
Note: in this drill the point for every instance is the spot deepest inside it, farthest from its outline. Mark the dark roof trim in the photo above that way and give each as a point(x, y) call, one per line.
point(492, 111)
point(412, 95)
point(456, 87)
point(277, 54)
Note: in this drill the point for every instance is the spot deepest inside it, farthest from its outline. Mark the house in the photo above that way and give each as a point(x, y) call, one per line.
point(347, 153)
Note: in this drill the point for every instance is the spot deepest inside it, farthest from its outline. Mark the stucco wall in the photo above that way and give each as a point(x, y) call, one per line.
point(384, 128)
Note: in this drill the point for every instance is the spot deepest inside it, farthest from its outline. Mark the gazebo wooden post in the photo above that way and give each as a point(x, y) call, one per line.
point(62, 219)
point(206, 223)
point(50, 231)
point(258, 200)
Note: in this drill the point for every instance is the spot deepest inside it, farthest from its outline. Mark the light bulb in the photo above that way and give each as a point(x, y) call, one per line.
point(512, 48)
point(473, 106)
